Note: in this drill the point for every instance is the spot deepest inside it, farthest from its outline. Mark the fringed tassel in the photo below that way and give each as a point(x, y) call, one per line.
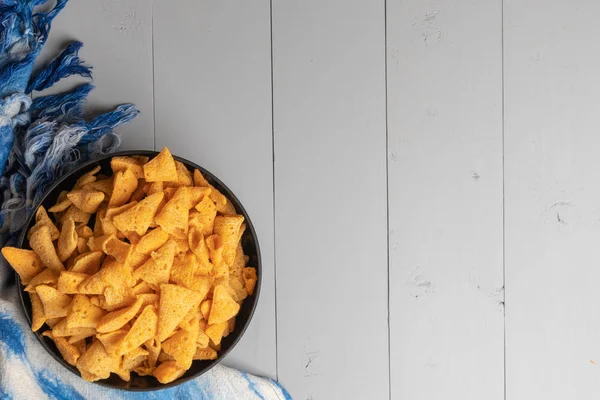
point(43, 20)
point(13, 114)
point(59, 158)
point(66, 64)
point(63, 107)
point(106, 122)
point(38, 139)
point(24, 34)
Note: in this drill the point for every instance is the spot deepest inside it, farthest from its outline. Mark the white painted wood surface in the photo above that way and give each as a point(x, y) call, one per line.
point(552, 97)
point(445, 196)
point(330, 204)
point(232, 84)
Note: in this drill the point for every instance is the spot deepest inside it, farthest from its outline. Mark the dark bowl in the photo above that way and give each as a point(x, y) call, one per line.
point(249, 243)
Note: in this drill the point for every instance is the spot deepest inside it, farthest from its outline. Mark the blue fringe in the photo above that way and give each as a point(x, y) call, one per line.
point(13, 114)
point(105, 123)
point(43, 20)
point(62, 107)
point(38, 139)
point(24, 36)
point(67, 64)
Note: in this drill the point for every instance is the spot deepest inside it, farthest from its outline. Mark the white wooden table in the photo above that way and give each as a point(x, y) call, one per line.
point(424, 177)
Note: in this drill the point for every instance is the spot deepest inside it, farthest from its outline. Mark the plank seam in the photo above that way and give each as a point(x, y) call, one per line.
point(153, 74)
point(274, 213)
point(503, 195)
point(387, 199)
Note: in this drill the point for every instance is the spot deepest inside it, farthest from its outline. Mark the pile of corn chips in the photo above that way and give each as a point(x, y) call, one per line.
point(154, 284)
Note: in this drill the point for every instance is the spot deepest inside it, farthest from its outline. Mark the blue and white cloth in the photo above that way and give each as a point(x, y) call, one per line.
point(41, 139)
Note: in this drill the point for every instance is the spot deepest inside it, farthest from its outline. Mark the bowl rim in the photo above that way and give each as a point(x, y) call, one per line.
point(239, 208)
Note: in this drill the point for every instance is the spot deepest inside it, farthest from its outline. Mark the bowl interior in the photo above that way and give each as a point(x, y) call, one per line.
point(249, 243)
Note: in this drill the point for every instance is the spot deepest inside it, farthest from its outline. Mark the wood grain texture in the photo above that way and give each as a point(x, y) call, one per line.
point(445, 199)
point(213, 106)
point(329, 119)
point(552, 96)
point(117, 38)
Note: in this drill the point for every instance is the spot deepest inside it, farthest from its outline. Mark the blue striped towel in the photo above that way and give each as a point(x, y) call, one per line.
point(40, 140)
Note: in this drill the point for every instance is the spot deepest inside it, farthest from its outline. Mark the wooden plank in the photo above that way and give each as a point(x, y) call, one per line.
point(117, 38)
point(445, 199)
point(213, 106)
point(329, 119)
point(552, 94)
